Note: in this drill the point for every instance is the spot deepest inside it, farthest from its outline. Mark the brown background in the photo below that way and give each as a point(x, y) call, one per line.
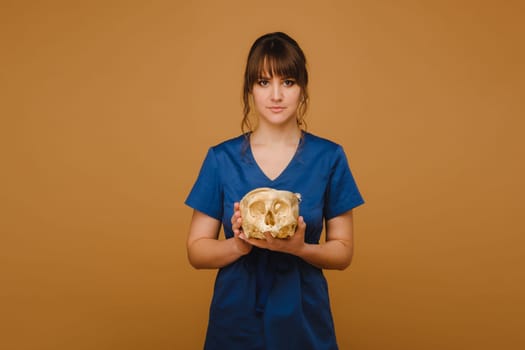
point(107, 109)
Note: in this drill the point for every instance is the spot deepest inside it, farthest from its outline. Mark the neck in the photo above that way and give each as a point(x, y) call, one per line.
point(266, 134)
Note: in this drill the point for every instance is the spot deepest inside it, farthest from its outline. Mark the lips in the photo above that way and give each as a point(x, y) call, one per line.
point(276, 109)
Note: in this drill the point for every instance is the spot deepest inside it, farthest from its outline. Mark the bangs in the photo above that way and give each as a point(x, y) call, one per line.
point(281, 66)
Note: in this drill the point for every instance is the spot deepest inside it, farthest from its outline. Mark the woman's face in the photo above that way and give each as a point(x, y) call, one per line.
point(276, 99)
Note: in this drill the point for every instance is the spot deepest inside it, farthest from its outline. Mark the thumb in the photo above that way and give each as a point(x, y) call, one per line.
point(301, 225)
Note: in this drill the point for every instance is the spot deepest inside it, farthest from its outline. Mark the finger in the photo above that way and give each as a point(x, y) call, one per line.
point(261, 243)
point(301, 225)
point(240, 235)
point(269, 237)
point(235, 217)
point(237, 225)
point(236, 228)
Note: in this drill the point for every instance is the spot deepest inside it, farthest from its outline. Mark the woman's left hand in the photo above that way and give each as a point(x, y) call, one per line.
point(292, 245)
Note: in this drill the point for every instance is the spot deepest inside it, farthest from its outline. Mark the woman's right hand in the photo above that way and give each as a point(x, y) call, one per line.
point(242, 246)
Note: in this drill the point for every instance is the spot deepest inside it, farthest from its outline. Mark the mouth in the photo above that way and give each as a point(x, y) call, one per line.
point(276, 109)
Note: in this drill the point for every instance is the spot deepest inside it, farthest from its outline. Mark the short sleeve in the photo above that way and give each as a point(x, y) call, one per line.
point(206, 194)
point(342, 193)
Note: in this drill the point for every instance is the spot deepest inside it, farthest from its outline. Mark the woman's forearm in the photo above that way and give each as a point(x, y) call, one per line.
point(335, 254)
point(210, 253)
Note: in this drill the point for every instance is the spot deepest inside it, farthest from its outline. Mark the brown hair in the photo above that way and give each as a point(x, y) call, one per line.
point(282, 56)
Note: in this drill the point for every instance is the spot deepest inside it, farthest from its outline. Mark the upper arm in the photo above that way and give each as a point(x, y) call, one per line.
point(203, 226)
point(341, 228)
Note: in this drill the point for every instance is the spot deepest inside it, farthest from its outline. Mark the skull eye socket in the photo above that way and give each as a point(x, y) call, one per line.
point(279, 207)
point(257, 208)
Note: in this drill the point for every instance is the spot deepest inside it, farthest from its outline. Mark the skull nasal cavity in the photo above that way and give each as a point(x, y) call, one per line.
point(269, 219)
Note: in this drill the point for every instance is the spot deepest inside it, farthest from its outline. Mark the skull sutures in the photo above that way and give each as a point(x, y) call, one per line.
point(268, 210)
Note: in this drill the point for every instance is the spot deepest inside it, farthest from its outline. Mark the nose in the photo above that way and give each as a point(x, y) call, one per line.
point(277, 93)
point(269, 219)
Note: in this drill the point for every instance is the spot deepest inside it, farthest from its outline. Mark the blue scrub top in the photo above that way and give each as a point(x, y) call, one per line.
point(271, 300)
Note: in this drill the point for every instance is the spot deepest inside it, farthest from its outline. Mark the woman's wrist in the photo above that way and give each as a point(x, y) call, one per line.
point(238, 247)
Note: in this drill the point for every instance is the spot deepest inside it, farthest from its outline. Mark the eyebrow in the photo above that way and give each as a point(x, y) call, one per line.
point(264, 77)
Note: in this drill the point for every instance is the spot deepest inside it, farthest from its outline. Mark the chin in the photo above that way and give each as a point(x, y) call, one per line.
point(278, 120)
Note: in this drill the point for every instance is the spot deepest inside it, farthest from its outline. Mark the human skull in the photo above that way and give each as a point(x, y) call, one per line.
point(267, 210)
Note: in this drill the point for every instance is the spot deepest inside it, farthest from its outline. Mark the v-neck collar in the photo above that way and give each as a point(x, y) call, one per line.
point(285, 169)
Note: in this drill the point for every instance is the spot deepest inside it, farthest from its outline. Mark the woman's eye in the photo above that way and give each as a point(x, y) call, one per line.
point(263, 82)
point(289, 82)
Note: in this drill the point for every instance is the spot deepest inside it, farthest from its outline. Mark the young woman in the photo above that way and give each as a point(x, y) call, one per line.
point(271, 294)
